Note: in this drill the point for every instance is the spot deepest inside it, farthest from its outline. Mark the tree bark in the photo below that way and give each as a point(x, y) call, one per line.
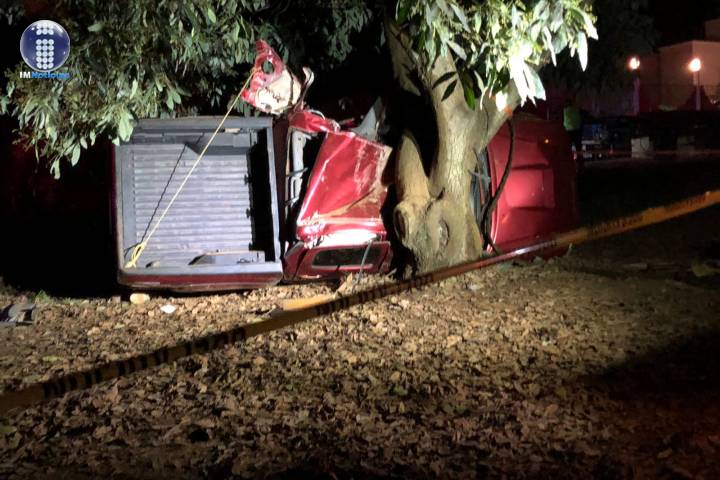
point(433, 219)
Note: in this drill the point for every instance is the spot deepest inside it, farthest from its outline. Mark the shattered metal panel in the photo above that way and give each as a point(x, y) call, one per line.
point(274, 91)
point(345, 189)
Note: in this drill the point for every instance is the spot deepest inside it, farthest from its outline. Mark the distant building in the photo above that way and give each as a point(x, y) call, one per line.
point(712, 30)
point(667, 82)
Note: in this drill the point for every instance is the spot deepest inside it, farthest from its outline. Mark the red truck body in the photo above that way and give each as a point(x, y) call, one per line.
point(329, 199)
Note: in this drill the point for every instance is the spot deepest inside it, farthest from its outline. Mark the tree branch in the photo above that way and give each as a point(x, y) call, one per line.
point(456, 127)
point(410, 179)
point(403, 64)
point(491, 119)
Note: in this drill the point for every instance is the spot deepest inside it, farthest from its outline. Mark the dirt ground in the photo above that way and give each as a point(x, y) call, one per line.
point(601, 364)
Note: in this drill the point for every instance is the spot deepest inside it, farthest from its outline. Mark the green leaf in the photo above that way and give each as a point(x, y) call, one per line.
point(431, 12)
point(528, 74)
point(75, 155)
point(134, 88)
point(535, 83)
point(461, 16)
point(560, 41)
point(125, 127)
point(50, 132)
point(582, 49)
point(480, 83)
point(211, 15)
point(96, 27)
point(556, 18)
point(459, 51)
point(402, 12)
point(589, 27)
point(55, 169)
point(469, 96)
point(122, 129)
point(549, 44)
point(541, 10)
point(443, 6)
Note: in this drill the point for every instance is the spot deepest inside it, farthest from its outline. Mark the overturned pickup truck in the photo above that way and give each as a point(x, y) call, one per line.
point(299, 198)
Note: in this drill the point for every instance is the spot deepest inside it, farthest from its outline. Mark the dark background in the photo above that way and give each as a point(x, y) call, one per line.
point(678, 21)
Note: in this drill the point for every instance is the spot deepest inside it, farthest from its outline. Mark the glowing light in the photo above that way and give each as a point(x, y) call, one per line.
point(695, 65)
point(634, 63)
point(546, 141)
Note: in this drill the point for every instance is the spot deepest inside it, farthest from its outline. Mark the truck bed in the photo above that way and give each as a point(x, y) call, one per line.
point(222, 230)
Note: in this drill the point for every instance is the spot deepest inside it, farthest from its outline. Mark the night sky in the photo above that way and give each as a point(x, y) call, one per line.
point(682, 21)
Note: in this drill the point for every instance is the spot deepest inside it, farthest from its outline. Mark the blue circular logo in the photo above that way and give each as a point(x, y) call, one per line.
point(45, 45)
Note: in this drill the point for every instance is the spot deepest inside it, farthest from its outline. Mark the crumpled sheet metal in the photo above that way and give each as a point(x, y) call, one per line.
point(311, 122)
point(273, 92)
point(346, 186)
point(17, 314)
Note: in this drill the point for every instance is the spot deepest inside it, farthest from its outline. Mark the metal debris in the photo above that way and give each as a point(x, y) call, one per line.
point(18, 314)
point(168, 309)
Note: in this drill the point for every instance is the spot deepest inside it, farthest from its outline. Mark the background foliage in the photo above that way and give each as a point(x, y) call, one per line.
point(147, 58)
point(495, 41)
point(627, 30)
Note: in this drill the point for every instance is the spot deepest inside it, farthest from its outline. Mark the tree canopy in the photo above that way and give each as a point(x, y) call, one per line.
point(472, 61)
point(627, 30)
point(148, 58)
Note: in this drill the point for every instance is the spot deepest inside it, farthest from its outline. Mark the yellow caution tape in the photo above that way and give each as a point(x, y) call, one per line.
point(81, 380)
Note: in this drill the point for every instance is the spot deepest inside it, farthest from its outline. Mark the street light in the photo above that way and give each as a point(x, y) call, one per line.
point(695, 66)
point(634, 63)
point(634, 66)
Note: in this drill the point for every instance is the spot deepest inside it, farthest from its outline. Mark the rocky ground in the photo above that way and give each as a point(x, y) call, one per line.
point(600, 364)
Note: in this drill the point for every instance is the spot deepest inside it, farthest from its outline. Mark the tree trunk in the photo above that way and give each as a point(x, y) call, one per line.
point(434, 219)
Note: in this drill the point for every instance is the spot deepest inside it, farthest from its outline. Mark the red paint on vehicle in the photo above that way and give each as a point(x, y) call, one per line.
point(272, 88)
point(539, 197)
point(199, 282)
point(345, 190)
point(311, 122)
point(340, 212)
point(260, 78)
point(301, 262)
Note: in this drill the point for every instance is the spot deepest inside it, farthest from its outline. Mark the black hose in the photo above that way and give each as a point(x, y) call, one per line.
point(492, 204)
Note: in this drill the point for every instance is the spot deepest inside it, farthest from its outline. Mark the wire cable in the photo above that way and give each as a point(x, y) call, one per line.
point(140, 247)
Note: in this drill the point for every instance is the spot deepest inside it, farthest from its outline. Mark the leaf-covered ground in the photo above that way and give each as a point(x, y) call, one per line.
point(601, 364)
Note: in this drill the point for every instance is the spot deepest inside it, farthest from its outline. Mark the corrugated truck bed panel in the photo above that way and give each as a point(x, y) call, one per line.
point(226, 210)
